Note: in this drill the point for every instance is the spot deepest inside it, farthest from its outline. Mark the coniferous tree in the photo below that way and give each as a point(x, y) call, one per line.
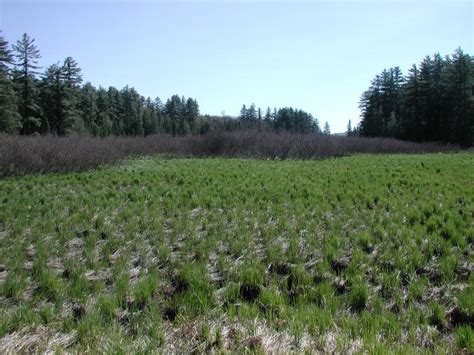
point(268, 115)
point(6, 56)
point(461, 90)
point(327, 129)
point(191, 113)
point(72, 79)
point(410, 121)
point(150, 122)
point(60, 98)
point(175, 110)
point(132, 112)
point(434, 102)
point(349, 128)
point(111, 110)
point(160, 114)
point(243, 113)
point(289, 119)
point(252, 114)
point(88, 109)
point(10, 119)
point(52, 100)
point(27, 55)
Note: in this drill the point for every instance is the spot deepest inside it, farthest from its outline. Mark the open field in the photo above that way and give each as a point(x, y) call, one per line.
point(363, 253)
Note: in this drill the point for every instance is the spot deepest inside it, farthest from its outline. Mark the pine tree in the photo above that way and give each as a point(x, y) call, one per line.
point(411, 120)
point(72, 73)
point(252, 114)
point(88, 109)
point(435, 129)
point(327, 129)
point(110, 109)
point(175, 109)
point(27, 55)
point(132, 114)
point(10, 119)
point(461, 90)
point(349, 128)
point(243, 113)
point(52, 99)
point(150, 122)
point(72, 79)
point(160, 113)
point(268, 115)
point(59, 100)
point(316, 127)
point(191, 113)
point(6, 56)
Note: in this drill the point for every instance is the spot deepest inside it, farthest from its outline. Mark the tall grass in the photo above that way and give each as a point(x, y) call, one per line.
point(38, 154)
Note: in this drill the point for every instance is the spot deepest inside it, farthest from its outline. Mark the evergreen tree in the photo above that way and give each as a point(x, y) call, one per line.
point(150, 122)
point(111, 110)
point(27, 55)
point(411, 121)
point(243, 113)
point(60, 98)
point(6, 56)
point(349, 128)
point(72, 73)
point(289, 119)
point(268, 115)
point(327, 129)
point(160, 114)
point(88, 109)
point(10, 119)
point(252, 114)
point(461, 90)
point(175, 109)
point(72, 79)
point(52, 100)
point(132, 113)
point(191, 113)
point(434, 102)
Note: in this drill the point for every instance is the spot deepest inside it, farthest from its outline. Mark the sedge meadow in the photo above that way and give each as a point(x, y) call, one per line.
point(362, 253)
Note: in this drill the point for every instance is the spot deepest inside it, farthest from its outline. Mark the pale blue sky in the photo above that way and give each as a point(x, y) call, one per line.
point(315, 55)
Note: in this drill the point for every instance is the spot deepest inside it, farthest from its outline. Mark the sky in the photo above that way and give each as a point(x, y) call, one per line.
point(318, 56)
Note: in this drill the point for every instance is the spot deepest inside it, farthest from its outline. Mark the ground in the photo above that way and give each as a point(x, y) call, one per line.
point(362, 253)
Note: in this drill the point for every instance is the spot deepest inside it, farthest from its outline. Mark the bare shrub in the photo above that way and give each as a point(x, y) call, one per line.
point(40, 154)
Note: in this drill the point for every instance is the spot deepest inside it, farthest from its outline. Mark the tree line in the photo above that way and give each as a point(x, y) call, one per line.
point(286, 118)
point(434, 102)
point(57, 102)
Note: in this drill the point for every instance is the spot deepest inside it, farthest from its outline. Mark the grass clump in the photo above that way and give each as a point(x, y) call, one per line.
point(357, 254)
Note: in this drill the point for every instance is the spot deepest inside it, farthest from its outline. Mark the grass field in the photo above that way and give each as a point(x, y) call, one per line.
point(363, 253)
